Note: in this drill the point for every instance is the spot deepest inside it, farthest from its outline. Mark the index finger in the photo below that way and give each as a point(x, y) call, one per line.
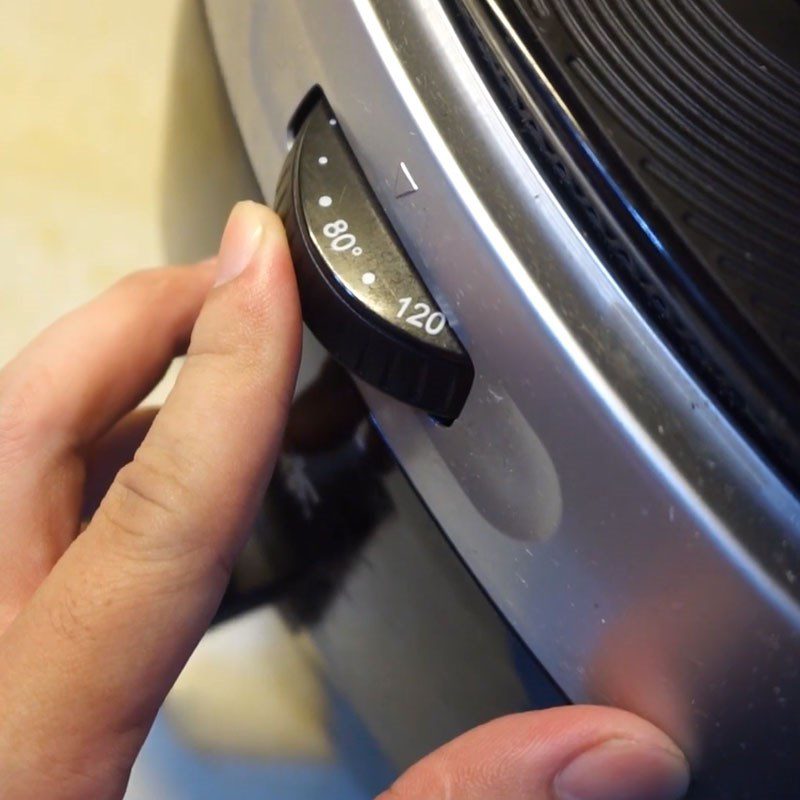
point(127, 603)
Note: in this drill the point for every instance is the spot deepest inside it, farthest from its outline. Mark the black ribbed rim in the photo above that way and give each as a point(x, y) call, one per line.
point(635, 239)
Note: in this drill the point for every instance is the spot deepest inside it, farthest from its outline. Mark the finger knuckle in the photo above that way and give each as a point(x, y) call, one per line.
point(249, 344)
point(67, 617)
point(147, 495)
point(223, 364)
point(156, 523)
point(155, 287)
point(231, 355)
point(148, 281)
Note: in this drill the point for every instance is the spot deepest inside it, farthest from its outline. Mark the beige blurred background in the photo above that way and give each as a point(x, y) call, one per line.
point(118, 150)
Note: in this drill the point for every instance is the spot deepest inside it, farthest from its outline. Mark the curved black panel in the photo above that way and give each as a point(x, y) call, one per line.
point(361, 295)
point(671, 128)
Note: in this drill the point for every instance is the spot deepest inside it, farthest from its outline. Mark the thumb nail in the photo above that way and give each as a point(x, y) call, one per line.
point(624, 770)
point(241, 239)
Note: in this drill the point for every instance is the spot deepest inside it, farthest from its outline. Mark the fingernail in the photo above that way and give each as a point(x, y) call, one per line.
point(624, 770)
point(239, 242)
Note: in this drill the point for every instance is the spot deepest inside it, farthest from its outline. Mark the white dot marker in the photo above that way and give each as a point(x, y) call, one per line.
point(368, 278)
point(332, 122)
point(323, 160)
point(325, 201)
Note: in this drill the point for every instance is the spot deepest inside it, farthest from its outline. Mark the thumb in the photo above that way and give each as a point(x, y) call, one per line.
point(574, 753)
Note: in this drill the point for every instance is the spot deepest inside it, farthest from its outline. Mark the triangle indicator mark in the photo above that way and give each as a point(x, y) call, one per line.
point(404, 182)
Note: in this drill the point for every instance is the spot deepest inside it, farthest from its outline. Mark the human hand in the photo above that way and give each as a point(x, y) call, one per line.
point(95, 628)
point(572, 753)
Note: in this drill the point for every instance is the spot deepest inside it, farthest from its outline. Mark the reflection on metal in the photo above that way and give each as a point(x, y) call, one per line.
point(402, 625)
point(508, 475)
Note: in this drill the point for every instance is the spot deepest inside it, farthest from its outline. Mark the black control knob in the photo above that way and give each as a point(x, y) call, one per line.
point(361, 295)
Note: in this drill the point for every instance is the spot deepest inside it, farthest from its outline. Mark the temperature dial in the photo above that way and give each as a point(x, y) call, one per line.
point(361, 295)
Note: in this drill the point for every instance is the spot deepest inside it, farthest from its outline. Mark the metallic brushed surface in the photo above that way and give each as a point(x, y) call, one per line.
point(607, 507)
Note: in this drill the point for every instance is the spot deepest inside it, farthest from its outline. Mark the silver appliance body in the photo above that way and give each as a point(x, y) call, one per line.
point(636, 542)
